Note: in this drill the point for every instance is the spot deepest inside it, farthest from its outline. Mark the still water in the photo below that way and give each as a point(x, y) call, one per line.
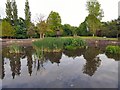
point(81, 68)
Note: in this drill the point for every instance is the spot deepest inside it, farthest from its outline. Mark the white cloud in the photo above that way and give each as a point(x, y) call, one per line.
point(71, 11)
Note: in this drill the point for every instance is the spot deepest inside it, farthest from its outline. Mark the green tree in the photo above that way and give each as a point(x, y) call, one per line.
point(7, 29)
point(42, 28)
point(9, 11)
point(21, 31)
point(31, 31)
point(93, 24)
point(54, 21)
point(27, 13)
point(109, 29)
point(83, 29)
point(95, 15)
point(15, 12)
point(67, 30)
point(74, 30)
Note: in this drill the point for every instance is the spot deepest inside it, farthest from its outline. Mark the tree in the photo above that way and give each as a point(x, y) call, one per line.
point(83, 29)
point(9, 11)
point(42, 28)
point(31, 31)
point(109, 29)
point(27, 13)
point(54, 21)
point(67, 30)
point(15, 12)
point(7, 29)
point(95, 15)
point(93, 24)
point(21, 31)
point(74, 30)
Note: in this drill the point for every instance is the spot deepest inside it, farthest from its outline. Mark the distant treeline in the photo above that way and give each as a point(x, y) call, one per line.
point(17, 27)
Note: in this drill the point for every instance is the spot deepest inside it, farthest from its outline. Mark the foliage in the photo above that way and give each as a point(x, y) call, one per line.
point(8, 11)
point(83, 30)
point(14, 48)
point(15, 13)
point(109, 29)
point(95, 15)
point(113, 49)
point(74, 31)
point(27, 13)
point(57, 44)
point(20, 28)
point(7, 29)
point(73, 43)
point(31, 31)
point(67, 30)
point(94, 9)
point(42, 28)
point(54, 21)
point(50, 33)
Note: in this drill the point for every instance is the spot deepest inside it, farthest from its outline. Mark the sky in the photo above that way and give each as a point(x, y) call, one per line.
point(72, 12)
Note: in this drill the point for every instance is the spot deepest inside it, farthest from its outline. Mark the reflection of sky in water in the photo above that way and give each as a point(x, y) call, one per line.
point(68, 74)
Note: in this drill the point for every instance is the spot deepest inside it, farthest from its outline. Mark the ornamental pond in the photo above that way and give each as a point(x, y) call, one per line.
point(80, 68)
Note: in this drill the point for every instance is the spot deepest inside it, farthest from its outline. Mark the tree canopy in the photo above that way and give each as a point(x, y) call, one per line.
point(95, 15)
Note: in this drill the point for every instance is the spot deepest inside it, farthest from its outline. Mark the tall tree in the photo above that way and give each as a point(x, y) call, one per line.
point(95, 15)
point(9, 11)
point(15, 12)
point(54, 21)
point(27, 13)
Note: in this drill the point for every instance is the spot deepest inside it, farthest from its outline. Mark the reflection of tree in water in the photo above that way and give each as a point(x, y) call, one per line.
point(92, 61)
point(28, 54)
point(74, 53)
point(15, 64)
point(2, 70)
point(116, 57)
point(54, 57)
point(39, 58)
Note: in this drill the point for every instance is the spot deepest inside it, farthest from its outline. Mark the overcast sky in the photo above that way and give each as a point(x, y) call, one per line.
point(71, 11)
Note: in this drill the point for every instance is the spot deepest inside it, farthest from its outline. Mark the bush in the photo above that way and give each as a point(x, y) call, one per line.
point(73, 43)
point(113, 49)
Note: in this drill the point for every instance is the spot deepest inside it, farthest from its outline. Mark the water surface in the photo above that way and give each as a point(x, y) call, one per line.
point(81, 68)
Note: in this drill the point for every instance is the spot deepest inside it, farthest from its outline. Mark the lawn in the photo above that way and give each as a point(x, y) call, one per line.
point(95, 38)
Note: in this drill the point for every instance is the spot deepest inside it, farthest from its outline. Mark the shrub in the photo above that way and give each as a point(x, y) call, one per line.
point(73, 43)
point(113, 49)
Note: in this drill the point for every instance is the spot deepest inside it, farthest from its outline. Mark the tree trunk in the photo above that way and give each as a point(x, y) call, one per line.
point(40, 36)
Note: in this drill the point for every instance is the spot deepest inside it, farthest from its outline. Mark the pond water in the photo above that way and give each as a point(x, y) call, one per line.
point(81, 68)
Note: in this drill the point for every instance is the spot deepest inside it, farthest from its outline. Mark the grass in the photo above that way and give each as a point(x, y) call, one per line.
point(49, 44)
point(58, 44)
point(93, 38)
